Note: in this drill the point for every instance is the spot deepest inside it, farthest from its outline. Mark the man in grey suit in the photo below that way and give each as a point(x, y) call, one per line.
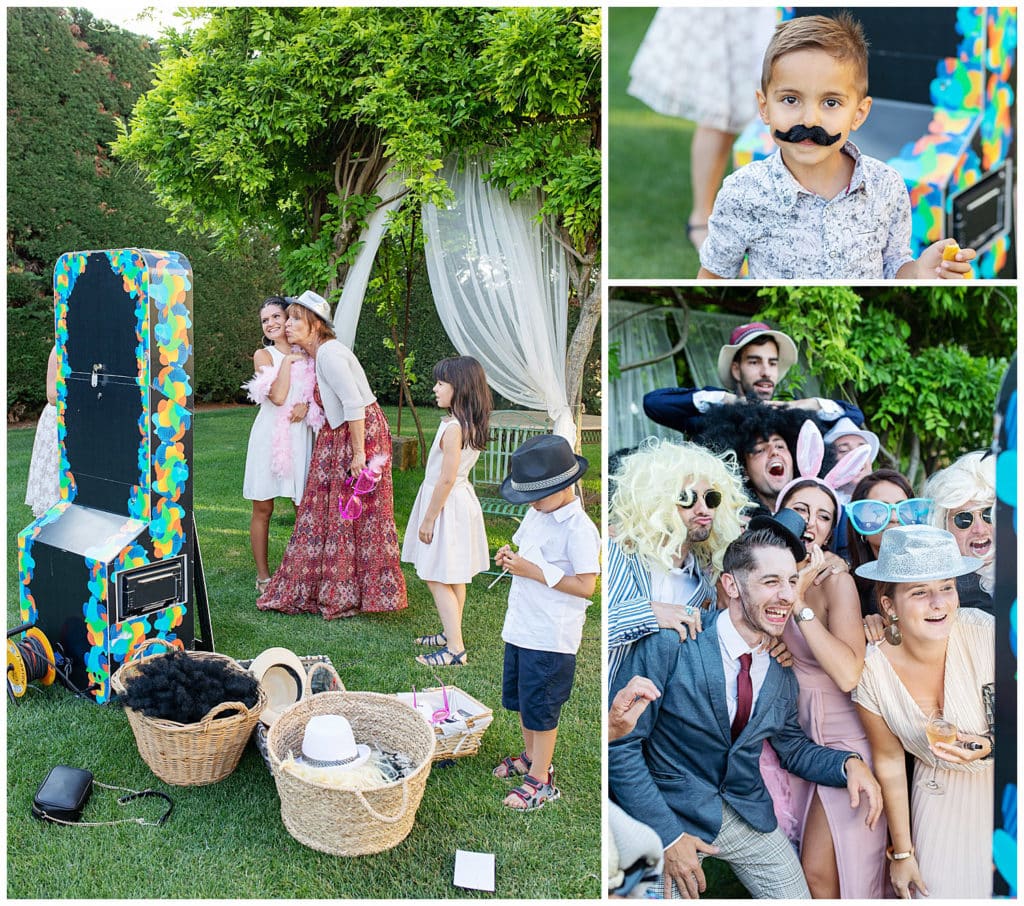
point(689, 768)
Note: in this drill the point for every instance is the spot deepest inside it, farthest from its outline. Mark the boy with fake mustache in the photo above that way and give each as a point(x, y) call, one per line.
point(818, 209)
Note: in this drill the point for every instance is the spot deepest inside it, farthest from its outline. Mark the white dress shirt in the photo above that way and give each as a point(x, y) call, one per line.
point(732, 645)
point(677, 585)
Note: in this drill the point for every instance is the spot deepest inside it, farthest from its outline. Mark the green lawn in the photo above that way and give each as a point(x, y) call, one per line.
point(227, 840)
point(648, 169)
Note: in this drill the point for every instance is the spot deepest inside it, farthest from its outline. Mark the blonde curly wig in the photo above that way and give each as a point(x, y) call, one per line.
point(643, 515)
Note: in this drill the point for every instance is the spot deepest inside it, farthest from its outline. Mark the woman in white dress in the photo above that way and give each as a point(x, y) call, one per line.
point(445, 538)
point(281, 439)
point(927, 681)
point(43, 489)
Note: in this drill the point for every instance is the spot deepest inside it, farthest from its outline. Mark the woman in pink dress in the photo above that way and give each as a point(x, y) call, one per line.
point(841, 856)
point(340, 565)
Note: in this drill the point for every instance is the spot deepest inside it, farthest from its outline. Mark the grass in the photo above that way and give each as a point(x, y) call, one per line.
point(227, 839)
point(649, 192)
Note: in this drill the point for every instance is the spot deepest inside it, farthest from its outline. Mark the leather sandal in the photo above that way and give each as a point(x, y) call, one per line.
point(533, 794)
point(431, 641)
point(442, 658)
point(513, 766)
point(261, 585)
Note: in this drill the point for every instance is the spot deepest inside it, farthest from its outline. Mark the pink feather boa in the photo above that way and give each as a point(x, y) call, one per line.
point(303, 380)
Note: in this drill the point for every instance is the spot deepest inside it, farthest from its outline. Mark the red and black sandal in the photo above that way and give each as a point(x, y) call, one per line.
point(513, 766)
point(533, 794)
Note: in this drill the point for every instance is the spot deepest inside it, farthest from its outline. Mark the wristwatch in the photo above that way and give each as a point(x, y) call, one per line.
point(804, 615)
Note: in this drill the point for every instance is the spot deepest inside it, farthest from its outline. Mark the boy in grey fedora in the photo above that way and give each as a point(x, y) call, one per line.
point(554, 575)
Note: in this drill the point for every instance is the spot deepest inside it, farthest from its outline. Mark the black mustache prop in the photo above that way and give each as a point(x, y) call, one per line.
point(801, 133)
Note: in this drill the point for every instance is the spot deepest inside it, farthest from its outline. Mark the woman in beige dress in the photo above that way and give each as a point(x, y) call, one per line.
point(936, 660)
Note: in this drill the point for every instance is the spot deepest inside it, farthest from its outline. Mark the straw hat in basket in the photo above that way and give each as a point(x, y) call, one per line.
point(282, 677)
point(352, 822)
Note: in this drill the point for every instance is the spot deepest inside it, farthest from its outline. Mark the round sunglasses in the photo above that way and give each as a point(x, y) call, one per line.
point(965, 518)
point(869, 517)
point(688, 499)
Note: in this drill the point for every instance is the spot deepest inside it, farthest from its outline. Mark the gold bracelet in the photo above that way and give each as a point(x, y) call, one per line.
point(898, 857)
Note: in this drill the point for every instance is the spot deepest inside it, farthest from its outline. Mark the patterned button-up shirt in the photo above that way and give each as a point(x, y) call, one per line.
point(788, 232)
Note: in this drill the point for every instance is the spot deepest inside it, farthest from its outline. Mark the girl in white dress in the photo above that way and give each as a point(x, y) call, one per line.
point(445, 538)
point(281, 440)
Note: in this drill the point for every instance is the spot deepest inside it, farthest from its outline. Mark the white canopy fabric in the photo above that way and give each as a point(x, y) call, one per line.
point(501, 287)
point(346, 314)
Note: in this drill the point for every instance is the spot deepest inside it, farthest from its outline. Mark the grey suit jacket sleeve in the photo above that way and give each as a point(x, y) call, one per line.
point(629, 778)
point(800, 755)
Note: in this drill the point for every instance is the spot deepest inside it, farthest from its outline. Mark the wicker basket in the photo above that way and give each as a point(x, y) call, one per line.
point(350, 822)
point(191, 754)
point(456, 741)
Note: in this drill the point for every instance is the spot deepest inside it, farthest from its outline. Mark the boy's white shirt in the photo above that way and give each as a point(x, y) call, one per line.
point(539, 616)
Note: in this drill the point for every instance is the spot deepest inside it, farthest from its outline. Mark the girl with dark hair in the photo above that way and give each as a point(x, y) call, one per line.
point(445, 538)
point(894, 503)
point(342, 558)
point(281, 439)
point(840, 855)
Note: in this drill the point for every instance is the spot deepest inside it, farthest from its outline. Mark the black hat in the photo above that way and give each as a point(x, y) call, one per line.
point(541, 466)
point(787, 524)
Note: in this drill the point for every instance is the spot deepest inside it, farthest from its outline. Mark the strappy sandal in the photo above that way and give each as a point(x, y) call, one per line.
point(510, 767)
point(261, 585)
point(442, 658)
point(533, 794)
point(431, 641)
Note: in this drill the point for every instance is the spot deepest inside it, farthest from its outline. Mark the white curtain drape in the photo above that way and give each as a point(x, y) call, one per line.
point(501, 287)
point(346, 314)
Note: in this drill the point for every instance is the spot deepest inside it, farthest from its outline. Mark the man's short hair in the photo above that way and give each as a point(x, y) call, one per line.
point(842, 38)
point(739, 556)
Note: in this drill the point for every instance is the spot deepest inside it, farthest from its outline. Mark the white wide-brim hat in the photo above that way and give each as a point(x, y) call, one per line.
point(743, 336)
point(328, 743)
point(283, 678)
point(918, 553)
point(315, 303)
point(845, 426)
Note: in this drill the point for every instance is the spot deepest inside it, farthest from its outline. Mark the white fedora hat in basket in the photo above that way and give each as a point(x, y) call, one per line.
point(328, 742)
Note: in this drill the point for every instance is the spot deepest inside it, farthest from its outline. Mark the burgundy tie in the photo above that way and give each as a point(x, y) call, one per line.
point(744, 697)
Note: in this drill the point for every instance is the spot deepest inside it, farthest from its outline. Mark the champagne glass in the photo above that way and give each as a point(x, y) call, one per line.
point(937, 729)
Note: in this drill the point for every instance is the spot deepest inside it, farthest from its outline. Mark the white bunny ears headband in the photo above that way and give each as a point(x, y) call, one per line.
point(810, 452)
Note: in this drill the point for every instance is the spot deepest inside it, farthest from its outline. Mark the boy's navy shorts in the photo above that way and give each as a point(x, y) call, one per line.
point(536, 684)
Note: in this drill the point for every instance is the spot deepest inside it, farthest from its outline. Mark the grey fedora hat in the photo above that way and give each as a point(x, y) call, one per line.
point(540, 467)
point(918, 553)
point(315, 303)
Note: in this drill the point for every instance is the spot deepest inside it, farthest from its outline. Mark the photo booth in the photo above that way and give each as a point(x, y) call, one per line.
point(114, 565)
point(941, 79)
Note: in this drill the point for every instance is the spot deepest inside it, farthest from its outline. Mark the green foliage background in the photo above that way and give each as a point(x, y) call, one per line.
point(71, 78)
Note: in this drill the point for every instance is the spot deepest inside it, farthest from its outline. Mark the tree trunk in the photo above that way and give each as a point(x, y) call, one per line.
point(588, 291)
point(915, 460)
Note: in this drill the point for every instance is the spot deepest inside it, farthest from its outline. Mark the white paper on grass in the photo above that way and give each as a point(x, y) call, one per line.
point(474, 871)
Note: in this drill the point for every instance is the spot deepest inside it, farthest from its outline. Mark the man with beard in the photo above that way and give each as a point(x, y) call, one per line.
point(673, 511)
point(752, 363)
point(690, 767)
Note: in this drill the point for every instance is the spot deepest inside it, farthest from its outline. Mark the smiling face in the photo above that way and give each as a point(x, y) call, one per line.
point(698, 519)
point(887, 492)
point(272, 319)
point(443, 393)
point(926, 610)
point(756, 369)
point(818, 510)
point(761, 599)
point(769, 467)
point(976, 540)
point(809, 87)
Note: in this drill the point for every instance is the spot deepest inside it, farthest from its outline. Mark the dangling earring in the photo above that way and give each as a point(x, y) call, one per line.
point(892, 632)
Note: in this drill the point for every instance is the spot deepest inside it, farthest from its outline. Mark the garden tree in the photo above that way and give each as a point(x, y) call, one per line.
point(285, 119)
point(69, 78)
point(923, 363)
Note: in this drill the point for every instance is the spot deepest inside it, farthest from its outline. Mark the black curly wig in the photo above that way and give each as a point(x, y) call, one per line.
point(741, 426)
point(176, 686)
